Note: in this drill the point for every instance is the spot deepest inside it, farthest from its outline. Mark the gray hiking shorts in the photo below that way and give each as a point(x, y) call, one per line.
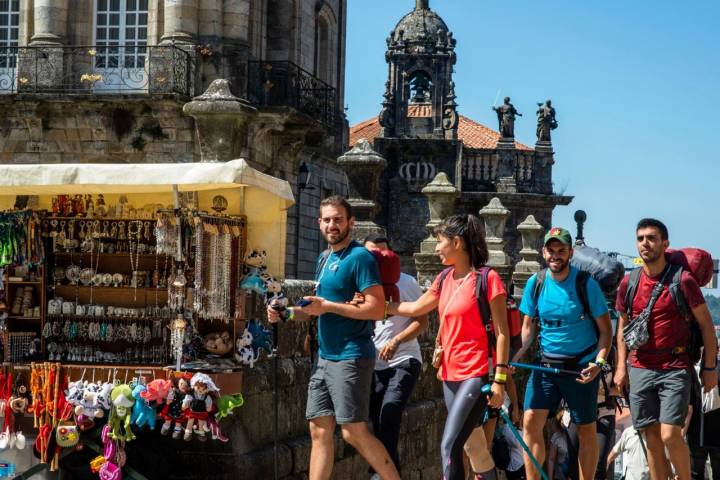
point(659, 396)
point(341, 389)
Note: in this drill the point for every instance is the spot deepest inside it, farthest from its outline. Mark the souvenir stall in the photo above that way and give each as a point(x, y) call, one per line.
point(124, 299)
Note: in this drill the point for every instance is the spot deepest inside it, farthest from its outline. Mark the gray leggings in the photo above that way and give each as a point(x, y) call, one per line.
point(466, 406)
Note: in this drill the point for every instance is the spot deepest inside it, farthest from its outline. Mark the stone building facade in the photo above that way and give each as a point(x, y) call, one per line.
point(93, 81)
point(420, 134)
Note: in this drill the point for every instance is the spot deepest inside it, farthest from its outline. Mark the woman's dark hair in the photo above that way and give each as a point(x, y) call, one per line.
point(470, 229)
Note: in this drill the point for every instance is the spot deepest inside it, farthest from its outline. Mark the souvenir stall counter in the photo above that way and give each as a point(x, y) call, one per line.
point(123, 302)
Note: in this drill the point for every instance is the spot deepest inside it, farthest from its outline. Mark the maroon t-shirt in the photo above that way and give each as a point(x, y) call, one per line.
point(667, 328)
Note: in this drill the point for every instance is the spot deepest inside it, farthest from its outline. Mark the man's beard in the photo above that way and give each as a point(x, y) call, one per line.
point(342, 235)
point(563, 266)
point(651, 256)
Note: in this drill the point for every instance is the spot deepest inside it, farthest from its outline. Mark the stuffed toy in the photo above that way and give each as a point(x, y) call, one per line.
point(103, 396)
point(142, 413)
point(214, 428)
point(274, 295)
point(255, 262)
point(254, 283)
point(120, 415)
point(157, 391)
point(218, 343)
point(256, 259)
point(89, 405)
point(227, 403)
point(173, 411)
point(261, 337)
point(197, 405)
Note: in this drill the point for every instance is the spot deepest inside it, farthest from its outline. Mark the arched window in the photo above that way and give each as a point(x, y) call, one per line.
point(9, 27)
point(325, 45)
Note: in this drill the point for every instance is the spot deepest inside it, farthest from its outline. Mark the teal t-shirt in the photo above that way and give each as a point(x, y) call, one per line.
point(344, 273)
point(564, 328)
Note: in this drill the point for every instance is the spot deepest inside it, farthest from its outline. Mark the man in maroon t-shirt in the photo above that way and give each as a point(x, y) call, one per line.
point(660, 372)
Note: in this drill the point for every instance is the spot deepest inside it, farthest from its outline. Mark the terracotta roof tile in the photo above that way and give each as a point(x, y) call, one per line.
point(473, 134)
point(420, 111)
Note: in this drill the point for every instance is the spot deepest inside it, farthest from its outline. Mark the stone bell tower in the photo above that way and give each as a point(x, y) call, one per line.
point(419, 99)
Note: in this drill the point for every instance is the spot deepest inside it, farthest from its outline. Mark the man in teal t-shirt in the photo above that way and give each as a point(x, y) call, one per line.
point(571, 338)
point(339, 388)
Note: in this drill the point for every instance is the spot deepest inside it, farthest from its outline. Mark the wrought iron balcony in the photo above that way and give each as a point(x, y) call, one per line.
point(284, 84)
point(96, 70)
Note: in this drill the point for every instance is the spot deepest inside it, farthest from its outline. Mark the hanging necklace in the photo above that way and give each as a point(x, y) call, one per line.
point(336, 264)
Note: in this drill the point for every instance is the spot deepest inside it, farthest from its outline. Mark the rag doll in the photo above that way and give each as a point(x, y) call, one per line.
point(197, 405)
point(173, 410)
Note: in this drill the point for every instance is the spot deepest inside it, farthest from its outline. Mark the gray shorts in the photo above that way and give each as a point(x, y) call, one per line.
point(659, 396)
point(341, 389)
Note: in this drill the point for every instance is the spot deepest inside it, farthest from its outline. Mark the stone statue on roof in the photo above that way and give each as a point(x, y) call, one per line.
point(506, 118)
point(545, 121)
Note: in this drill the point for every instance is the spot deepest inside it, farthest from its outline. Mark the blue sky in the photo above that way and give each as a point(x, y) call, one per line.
point(636, 85)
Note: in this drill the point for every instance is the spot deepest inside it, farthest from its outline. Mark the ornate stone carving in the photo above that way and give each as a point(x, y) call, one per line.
point(495, 215)
point(531, 232)
point(545, 121)
point(220, 122)
point(506, 114)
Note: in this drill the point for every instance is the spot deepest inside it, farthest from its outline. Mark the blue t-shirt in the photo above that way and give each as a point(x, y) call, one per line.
point(344, 273)
point(564, 328)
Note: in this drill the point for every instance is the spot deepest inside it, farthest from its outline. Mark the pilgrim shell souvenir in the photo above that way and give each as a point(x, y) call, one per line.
point(107, 279)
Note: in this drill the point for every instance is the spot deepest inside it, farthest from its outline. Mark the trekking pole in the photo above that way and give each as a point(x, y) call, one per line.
point(538, 368)
point(488, 391)
point(276, 401)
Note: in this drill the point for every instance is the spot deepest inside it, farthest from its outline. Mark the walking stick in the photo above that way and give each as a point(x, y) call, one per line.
point(276, 401)
point(538, 368)
point(487, 391)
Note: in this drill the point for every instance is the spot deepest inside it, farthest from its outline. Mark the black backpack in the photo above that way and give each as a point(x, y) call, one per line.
point(694, 349)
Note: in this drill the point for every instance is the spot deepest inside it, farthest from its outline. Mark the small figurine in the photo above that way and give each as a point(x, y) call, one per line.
point(122, 400)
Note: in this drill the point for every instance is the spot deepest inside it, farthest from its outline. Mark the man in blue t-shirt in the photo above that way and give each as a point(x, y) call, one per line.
point(339, 388)
point(574, 335)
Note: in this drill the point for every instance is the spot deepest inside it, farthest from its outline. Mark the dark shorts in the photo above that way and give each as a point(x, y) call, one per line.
point(544, 391)
point(659, 396)
point(341, 389)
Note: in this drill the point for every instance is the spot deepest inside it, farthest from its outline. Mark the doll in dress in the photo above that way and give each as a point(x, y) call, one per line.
point(172, 412)
point(198, 404)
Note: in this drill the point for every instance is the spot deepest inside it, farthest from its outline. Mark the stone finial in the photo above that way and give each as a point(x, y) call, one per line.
point(531, 232)
point(363, 167)
point(220, 122)
point(441, 195)
point(422, 4)
point(495, 215)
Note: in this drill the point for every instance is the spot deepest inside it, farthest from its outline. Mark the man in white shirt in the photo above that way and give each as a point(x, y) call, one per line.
point(634, 456)
point(398, 362)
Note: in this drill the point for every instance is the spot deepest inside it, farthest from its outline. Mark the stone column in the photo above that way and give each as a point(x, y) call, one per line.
point(221, 121)
point(181, 22)
point(49, 22)
point(441, 195)
point(495, 216)
point(363, 167)
point(531, 232)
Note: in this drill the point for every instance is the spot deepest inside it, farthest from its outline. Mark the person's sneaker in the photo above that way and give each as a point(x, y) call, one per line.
point(188, 435)
point(20, 441)
point(165, 429)
point(177, 433)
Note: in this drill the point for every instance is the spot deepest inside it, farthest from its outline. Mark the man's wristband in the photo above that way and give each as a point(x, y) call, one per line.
point(600, 362)
point(291, 314)
point(387, 305)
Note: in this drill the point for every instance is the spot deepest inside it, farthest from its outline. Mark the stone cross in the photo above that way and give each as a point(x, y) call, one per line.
point(495, 215)
point(441, 195)
point(531, 232)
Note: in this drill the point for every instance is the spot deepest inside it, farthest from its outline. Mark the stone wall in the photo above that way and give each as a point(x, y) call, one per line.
point(251, 429)
point(78, 129)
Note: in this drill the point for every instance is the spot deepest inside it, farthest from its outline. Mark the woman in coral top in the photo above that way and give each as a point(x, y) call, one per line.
point(462, 339)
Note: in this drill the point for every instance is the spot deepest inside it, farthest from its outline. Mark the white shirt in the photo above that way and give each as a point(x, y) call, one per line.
point(634, 463)
point(516, 451)
point(388, 329)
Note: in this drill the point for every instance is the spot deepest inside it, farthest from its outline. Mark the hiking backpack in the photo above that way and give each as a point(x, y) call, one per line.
point(697, 263)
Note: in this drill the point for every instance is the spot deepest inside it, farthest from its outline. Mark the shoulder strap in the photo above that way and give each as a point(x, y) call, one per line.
point(443, 276)
point(321, 263)
point(539, 282)
point(581, 283)
point(481, 289)
point(676, 291)
point(633, 281)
